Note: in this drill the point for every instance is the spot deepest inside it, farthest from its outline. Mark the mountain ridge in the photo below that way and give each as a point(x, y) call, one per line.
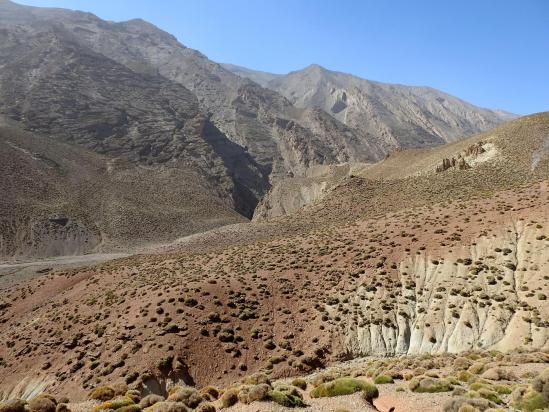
point(235, 68)
point(389, 113)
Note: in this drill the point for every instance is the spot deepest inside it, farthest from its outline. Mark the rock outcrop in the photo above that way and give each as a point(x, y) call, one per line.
point(460, 161)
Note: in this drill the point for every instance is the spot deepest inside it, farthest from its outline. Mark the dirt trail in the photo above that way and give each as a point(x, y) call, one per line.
point(13, 272)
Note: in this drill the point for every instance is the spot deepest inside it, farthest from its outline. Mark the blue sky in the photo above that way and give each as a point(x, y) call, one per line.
point(493, 53)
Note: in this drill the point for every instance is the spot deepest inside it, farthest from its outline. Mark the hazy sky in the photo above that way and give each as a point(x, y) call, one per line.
point(493, 53)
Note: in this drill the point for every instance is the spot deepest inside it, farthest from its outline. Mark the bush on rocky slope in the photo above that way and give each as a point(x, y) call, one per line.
point(536, 397)
point(345, 386)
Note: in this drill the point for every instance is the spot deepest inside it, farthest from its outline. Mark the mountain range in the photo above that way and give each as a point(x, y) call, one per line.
point(133, 94)
point(180, 235)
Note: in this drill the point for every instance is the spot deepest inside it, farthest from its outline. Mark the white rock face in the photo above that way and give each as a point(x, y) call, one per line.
point(291, 194)
point(456, 307)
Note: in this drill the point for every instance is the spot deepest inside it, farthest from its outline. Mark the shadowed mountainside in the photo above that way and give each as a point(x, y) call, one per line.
point(131, 92)
point(67, 200)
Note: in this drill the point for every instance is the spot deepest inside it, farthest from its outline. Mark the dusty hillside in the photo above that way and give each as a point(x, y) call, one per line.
point(454, 261)
point(427, 272)
point(448, 277)
point(59, 199)
point(387, 115)
point(511, 154)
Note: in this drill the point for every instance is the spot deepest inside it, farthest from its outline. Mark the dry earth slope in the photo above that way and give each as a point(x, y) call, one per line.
point(429, 263)
point(499, 158)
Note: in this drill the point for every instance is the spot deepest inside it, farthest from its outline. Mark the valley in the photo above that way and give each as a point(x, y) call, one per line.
point(179, 235)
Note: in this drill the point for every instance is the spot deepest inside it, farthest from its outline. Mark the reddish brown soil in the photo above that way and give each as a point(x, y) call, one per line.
point(101, 324)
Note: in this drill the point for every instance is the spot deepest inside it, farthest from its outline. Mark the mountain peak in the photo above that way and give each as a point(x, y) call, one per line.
point(313, 68)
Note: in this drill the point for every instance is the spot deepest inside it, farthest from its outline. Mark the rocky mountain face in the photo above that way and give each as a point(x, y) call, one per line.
point(497, 158)
point(388, 116)
point(63, 199)
point(257, 133)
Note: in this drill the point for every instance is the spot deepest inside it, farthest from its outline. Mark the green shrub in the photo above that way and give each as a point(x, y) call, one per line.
point(475, 386)
point(531, 401)
point(256, 379)
point(134, 395)
point(457, 404)
point(115, 403)
point(344, 386)
point(288, 401)
point(205, 407)
point(185, 394)
point(476, 368)
point(42, 403)
point(210, 392)
point(150, 400)
point(167, 407)
point(322, 378)
point(300, 383)
point(464, 376)
point(382, 379)
point(429, 385)
point(250, 393)
point(128, 408)
point(102, 393)
point(541, 384)
point(229, 397)
point(490, 395)
point(503, 389)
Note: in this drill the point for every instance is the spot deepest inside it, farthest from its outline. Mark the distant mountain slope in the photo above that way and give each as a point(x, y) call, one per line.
point(507, 156)
point(132, 93)
point(260, 77)
point(278, 136)
point(388, 115)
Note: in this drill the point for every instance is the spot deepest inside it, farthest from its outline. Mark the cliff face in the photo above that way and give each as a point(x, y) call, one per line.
point(259, 134)
point(487, 295)
point(62, 199)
